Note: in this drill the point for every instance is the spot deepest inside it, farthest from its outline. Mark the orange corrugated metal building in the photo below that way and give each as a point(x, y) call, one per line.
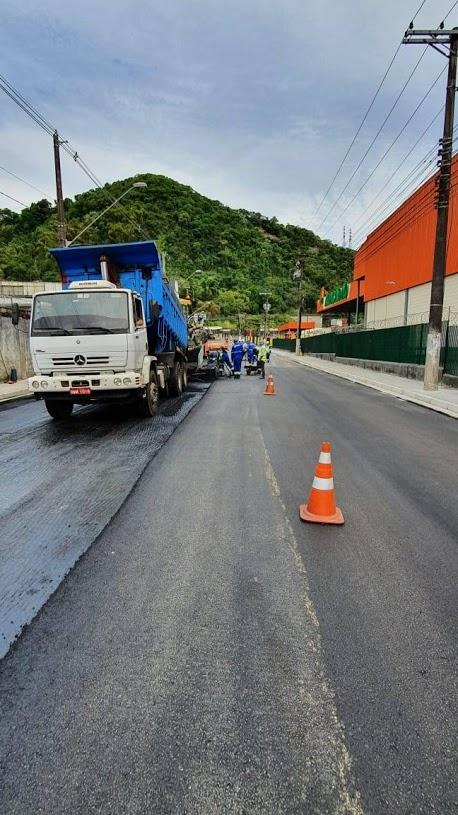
point(393, 267)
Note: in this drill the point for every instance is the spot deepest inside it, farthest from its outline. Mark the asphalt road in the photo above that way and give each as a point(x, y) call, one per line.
point(212, 654)
point(61, 483)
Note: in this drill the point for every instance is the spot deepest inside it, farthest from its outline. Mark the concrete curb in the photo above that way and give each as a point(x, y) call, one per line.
point(13, 397)
point(447, 408)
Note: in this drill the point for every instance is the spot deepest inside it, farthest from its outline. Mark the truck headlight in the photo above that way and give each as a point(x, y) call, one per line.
point(126, 380)
point(44, 384)
point(35, 384)
point(117, 380)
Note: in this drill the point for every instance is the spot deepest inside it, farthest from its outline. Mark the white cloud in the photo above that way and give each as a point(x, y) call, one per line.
point(253, 103)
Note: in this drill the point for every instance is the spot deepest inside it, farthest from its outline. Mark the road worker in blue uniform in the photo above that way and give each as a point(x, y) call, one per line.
point(250, 349)
point(226, 360)
point(237, 354)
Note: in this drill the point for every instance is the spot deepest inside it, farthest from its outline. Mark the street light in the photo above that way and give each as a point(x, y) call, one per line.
point(137, 185)
point(266, 306)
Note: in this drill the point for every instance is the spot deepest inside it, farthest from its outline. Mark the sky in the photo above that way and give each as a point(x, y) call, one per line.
point(251, 102)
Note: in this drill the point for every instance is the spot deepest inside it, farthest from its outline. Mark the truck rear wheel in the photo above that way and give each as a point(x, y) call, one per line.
point(176, 380)
point(59, 408)
point(185, 376)
point(149, 401)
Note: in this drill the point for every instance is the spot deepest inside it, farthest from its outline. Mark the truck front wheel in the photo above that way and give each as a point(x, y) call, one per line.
point(148, 402)
point(59, 408)
point(176, 380)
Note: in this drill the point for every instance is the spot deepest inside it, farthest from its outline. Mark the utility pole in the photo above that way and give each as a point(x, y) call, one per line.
point(449, 40)
point(61, 227)
point(298, 275)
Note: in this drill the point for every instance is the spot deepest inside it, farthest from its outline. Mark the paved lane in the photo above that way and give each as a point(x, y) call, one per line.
point(385, 584)
point(212, 654)
point(178, 669)
point(61, 484)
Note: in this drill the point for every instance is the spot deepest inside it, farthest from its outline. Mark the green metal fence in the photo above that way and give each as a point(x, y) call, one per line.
point(451, 351)
point(286, 345)
point(406, 344)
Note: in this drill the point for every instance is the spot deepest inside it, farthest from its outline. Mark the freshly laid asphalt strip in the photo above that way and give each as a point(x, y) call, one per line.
point(385, 584)
point(178, 668)
point(61, 484)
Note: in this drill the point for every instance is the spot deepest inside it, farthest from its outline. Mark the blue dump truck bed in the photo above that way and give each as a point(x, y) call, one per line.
point(137, 266)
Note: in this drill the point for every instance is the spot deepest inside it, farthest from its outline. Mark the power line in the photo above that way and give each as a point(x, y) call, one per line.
point(33, 187)
point(408, 219)
point(13, 199)
point(383, 123)
point(365, 116)
point(374, 139)
point(423, 175)
point(45, 125)
point(406, 186)
point(390, 147)
point(401, 164)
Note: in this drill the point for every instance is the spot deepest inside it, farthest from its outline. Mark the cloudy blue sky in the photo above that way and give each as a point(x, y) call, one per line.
point(252, 102)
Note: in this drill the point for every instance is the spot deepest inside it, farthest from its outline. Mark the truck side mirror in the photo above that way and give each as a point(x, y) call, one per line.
point(15, 313)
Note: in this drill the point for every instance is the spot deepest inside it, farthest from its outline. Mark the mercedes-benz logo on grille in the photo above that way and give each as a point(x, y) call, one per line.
point(79, 359)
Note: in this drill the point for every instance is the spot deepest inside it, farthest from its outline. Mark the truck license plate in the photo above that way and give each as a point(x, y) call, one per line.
point(80, 391)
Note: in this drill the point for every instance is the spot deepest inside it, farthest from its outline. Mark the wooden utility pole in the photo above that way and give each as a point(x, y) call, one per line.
point(61, 226)
point(439, 39)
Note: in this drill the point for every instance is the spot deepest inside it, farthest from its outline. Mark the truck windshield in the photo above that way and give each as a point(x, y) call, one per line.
point(81, 312)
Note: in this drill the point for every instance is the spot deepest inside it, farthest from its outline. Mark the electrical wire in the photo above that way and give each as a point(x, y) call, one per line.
point(360, 163)
point(28, 184)
point(374, 245)
point(401, 164)
point(406, 187)
point(388, 150)
point(13, 199)
point(45, 125)
point(382, 125)
point(365, 116)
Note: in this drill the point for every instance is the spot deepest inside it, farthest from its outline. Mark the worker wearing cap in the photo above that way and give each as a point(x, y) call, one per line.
point(237, 354)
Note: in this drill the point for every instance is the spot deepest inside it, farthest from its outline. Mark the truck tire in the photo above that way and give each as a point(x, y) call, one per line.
point(59, 408)
point(185, 376)
point(176, 380)
point(149, 401)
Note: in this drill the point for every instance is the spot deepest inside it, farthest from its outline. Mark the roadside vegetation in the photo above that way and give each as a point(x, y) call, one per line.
point(239, 253)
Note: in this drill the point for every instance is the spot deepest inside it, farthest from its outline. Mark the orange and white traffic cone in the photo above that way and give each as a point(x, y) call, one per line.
point(270, 387)
point(321, 507)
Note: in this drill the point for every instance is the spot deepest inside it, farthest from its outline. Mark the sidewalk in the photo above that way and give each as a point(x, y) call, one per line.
point(445, 400)
point(19, 390)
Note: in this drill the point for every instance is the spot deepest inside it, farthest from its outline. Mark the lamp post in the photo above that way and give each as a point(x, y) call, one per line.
point(189, 277)
point(266, 306)
point(136, 186)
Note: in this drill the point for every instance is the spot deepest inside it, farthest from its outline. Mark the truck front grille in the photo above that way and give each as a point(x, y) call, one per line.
point(65, 362)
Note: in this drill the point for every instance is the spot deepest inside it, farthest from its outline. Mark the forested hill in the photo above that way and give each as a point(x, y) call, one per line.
point(240, 253)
